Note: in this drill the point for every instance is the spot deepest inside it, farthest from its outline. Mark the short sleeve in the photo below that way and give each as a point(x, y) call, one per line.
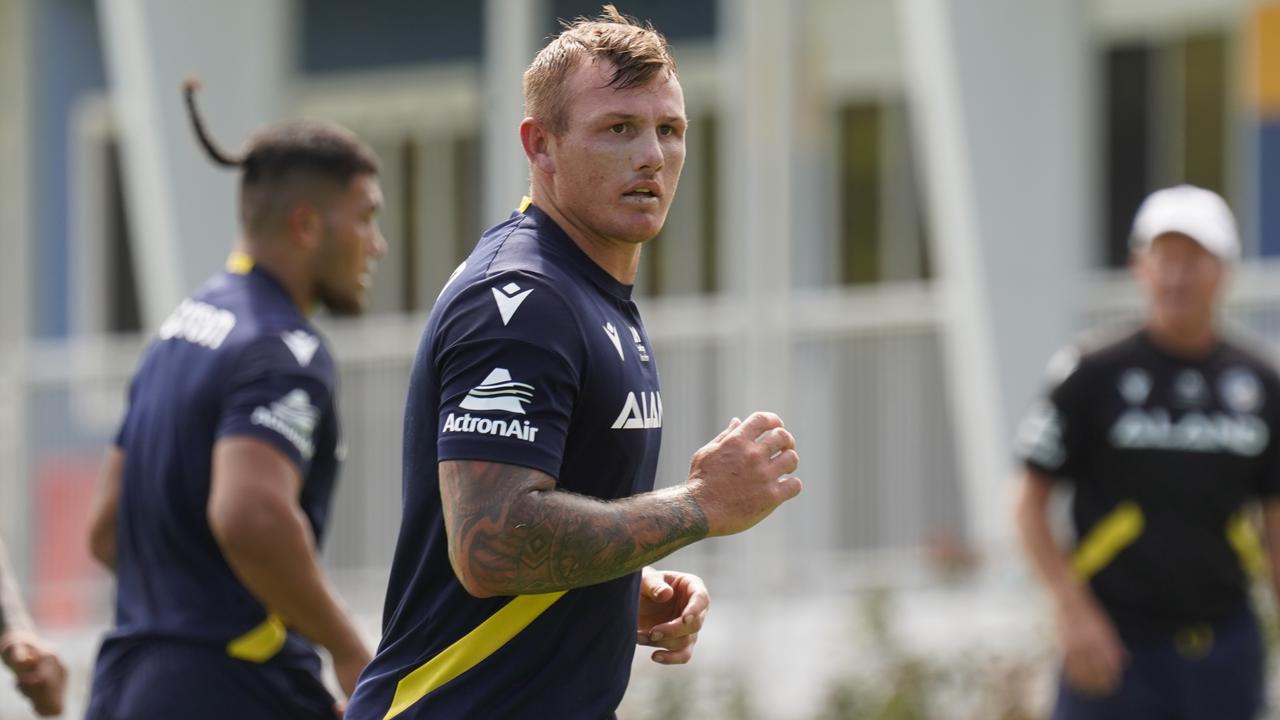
point(1049, 439)
point(122, 432)
point(509, 357)
point(273, 396)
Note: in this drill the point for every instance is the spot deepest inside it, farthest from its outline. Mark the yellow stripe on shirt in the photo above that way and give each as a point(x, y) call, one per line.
point(1113, 533)
point(1243, 537)
point(469, 650)
point(261, 643)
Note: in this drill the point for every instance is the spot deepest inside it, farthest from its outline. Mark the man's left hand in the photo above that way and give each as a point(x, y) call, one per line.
point(41, 675)
point(673, 606)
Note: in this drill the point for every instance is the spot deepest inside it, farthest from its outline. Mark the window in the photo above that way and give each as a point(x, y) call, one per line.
point(1166, 123)
point(882, 232)
point(681, 260)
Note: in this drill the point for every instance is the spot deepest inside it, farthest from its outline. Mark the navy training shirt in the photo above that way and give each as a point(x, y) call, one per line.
point(533, 356)
point(235, 359)
point(1164, 454)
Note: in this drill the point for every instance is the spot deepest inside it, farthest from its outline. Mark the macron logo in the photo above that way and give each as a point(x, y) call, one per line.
point(509, 298)
point(612, 332)
point(302, 344)
point(498, 392)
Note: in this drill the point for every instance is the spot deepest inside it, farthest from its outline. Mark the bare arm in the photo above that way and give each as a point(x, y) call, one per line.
point(106, 503)
point(1049, 560)
point(39, 673)
point(13, 613)
point(1093, 655)
point(512, 532)
point(264, 535)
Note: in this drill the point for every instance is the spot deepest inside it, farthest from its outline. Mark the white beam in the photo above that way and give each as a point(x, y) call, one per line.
point(15, 228)
point(997, 94)
point(182, 208)
point(512, 30)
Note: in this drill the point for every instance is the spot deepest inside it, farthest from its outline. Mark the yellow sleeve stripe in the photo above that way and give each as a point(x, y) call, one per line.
point(1243, 537)
point(261, 643)
point(1113, 533)
point(469, 650)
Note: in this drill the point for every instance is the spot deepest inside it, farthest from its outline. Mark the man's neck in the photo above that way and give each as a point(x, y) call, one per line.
point(1183, 341)
point(620, 259)
point(289, 272)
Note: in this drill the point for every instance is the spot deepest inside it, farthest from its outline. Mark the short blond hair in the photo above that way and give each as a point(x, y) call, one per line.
point(637, 51)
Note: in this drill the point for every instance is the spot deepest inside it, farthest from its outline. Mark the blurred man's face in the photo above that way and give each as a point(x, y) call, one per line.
point(1182, 281)
point(619, 158)
point(350, 248)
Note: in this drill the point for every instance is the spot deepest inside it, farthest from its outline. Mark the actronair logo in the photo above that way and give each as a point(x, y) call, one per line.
point(294, 417)
point(498, 392)
point(644, 413)
point(489, 426)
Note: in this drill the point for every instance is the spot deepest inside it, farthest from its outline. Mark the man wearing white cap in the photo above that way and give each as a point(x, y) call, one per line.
point(1167, 436)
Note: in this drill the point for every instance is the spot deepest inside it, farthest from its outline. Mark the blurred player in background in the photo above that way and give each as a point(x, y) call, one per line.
point(519, 587)
point(37, 670)
point(215, 498)
point(1167, 437)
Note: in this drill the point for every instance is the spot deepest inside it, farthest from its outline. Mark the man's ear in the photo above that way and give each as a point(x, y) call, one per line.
point(305, 225)
point(538, 143)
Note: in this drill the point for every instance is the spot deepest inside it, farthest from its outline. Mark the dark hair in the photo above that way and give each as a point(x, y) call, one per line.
point(282, 151)
point(638, 52)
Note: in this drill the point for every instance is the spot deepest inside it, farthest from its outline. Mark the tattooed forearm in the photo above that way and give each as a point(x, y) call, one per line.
point(511, 532)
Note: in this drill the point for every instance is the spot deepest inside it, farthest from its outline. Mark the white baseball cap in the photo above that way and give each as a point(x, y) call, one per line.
point(1200, 214)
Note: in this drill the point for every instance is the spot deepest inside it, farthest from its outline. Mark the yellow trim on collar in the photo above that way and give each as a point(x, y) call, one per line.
point(525, 202)
point(239, 263)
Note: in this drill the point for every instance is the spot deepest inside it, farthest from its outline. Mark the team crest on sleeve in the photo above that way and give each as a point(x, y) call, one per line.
point(499, 392)
point(293, 417)
point(509, 297)
point(641, 350)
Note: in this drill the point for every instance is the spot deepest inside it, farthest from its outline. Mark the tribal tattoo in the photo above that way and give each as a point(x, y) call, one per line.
point(512, 533)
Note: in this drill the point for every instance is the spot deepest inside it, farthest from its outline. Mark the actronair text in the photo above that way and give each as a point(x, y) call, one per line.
point(489, 426)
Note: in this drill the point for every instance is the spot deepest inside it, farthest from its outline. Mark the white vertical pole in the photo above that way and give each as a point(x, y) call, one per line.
point(15, 209)
point(512, 30)
point(997, 95)
point(182, 207)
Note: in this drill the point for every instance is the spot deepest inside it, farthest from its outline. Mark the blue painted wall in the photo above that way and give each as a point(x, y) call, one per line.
point(339, 35)
point(676, 19)
point(1268, 193)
